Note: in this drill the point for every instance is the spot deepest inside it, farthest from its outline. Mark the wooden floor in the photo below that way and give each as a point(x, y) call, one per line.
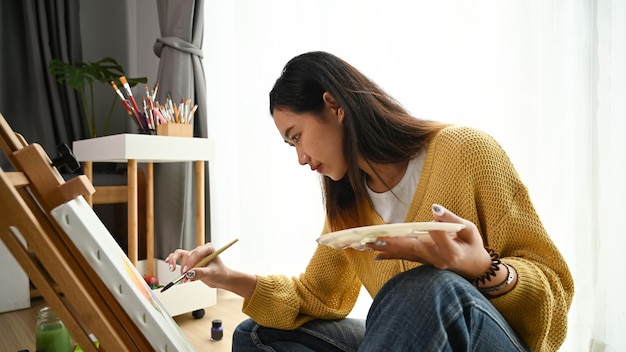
point(17, 329)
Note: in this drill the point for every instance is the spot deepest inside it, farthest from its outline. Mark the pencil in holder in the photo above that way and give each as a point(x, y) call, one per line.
point(175, 129)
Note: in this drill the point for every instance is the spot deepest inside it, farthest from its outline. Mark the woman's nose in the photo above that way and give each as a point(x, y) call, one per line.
point(303, 158)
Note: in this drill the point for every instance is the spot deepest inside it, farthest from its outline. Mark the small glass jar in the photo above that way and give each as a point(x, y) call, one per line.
point(51, 335)
point(217, 332)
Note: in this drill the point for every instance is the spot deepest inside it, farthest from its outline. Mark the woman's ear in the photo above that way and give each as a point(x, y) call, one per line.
point(331, 102)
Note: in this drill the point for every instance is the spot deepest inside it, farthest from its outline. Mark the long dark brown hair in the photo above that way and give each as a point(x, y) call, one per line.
point(376, 126)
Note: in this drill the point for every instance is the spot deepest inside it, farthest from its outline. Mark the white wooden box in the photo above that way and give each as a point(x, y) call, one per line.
point(183, 297)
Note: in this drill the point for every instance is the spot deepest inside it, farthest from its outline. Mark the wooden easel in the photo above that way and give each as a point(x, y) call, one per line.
point(53, 263)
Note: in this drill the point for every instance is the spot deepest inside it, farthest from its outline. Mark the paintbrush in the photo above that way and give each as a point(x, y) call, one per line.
point(202, 263)
point(129, 92)
point(129, 109)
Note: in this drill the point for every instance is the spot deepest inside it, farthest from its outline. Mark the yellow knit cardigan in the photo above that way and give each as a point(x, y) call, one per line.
point(469, 173)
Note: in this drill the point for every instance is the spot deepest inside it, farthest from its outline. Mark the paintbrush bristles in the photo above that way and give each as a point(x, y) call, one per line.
point(117, 90)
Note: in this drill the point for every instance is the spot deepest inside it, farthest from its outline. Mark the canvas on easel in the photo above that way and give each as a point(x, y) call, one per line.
point(111, 263)
point(87, 280)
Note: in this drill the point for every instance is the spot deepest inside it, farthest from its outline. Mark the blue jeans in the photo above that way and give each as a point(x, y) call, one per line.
point(423, 309)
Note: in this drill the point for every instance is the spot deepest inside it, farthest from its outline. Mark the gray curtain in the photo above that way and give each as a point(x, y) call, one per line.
point(33, 32)
point(182, 76)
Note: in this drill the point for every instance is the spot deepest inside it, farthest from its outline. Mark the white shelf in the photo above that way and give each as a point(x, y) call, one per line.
point(143, 148)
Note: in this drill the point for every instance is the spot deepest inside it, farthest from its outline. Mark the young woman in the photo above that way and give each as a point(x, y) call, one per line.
point(499, 284)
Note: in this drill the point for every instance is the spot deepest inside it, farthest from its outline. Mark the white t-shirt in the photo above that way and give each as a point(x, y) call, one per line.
point(393, 205)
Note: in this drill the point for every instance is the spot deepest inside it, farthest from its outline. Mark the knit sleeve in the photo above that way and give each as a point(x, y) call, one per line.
point(328, 289)
point(544, 280)
point(537, 307)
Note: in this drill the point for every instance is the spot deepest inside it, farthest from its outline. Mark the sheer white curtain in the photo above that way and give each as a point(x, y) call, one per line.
point(546, 78)
point(608, 158)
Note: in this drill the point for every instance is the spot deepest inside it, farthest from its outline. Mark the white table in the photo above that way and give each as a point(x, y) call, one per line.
point(148, 149)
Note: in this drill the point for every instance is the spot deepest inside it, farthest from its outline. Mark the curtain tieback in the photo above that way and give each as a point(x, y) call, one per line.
point(176, 43)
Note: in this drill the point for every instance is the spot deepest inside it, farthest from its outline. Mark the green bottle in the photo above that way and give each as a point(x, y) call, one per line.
point(50, 333)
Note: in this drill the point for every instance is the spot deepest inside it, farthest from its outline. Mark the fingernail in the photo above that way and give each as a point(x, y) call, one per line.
point(380, 243)
point(172, 266)
point(191, 274)
point(438, 210)
point(185, 268)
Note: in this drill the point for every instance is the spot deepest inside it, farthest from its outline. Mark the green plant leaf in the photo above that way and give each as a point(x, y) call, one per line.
point(80, 74)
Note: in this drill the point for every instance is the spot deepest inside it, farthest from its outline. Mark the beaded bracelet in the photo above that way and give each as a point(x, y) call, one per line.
point(495, 266)
point(510, 276)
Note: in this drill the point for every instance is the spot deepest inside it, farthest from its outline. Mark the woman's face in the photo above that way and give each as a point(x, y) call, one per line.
point(318, 143)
